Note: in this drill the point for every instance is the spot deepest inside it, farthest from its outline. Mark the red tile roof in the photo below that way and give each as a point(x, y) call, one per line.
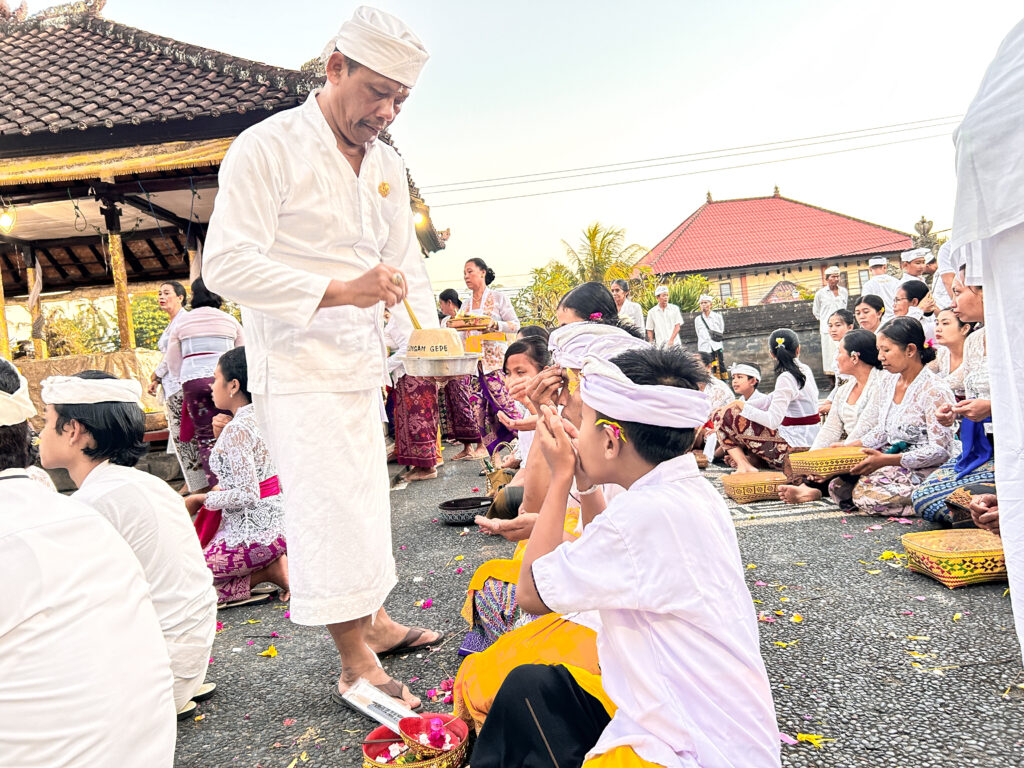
point(724, 234)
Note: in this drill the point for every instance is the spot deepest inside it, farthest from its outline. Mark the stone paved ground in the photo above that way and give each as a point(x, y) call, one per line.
point(878, 663)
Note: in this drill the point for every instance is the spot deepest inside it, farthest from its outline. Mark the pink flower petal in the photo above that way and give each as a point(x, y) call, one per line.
point(402, 547)
point(906, 613)
point(458, 570)
point(427, 603)
point(250, 642)
point(447, 699)
point(274, 634)
point(785, 738)
point(476, 490)
point(289, 721)
point(287, 614)
point(760, 584)
point(847, 535)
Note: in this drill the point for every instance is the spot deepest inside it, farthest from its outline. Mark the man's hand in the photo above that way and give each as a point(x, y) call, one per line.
point(517, 529)
point(824, 408)
point(985, 512)
point(153, 384)
point(543, 388)
point(381, 283)
point(555, 443)
point(975, 410)
point(945, 415)
point(218, 423)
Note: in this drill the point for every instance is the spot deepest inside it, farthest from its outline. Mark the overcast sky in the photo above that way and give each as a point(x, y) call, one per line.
point(531, 87)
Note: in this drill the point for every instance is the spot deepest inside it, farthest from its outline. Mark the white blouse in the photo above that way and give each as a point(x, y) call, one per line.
point(940, 365)
point(912, 421)
point(977, 384)
point(169, 383)
point(845, 418)
point(789, 400)
point(719, 393)
point(241, 461)
point(499, 308)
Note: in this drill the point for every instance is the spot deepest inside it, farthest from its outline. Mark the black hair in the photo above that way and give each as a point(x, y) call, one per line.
point(623, 284)
point(914, 290)
point(845, 315)
point(351, 65)
point(116, 428)
point(670, 367)
point(450, 294)
point(707, 358)
point(959, 323)
point(904, 331)
point(488, 272)
point(873, 301)
point(16, 439)
point(534, 347)
point(590, 299)
point(203, 296)
point(179, 289)
point(861, 343)
point(233, 368)
point(783, 345)
point(537, 331)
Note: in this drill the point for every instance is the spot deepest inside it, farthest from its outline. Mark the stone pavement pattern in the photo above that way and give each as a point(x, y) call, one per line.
point(877, 663)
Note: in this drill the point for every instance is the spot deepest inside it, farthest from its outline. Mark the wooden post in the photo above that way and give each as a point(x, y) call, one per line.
point(35, 307)
point(125, 328)
point(195, 259)
point(5, 341)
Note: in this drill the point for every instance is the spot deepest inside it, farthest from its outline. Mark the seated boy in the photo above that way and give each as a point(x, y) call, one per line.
point(84, 674)
point(94, 428)
point(682, 680)
point(745, 379)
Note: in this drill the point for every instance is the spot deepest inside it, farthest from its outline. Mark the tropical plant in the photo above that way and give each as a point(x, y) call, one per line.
point(684, 292)
point(148, 320)
point(602, 254)
point(535, 304)
point(89, 331)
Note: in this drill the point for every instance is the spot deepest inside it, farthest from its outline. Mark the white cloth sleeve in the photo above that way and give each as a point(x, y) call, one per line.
point(508, 321)
point(833, 429)
point(242, 229)
point(598, 571)
point(785, 393)
point(940, 443)
point(242, 479)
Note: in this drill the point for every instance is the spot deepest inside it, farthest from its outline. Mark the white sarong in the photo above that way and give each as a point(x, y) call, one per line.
point(330, 457)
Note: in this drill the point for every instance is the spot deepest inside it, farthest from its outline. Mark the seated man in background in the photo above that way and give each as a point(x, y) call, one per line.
point(79, 640)
point(94, 428)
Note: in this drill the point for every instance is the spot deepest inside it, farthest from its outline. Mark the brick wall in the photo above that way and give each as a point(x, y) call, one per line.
point(746, 336)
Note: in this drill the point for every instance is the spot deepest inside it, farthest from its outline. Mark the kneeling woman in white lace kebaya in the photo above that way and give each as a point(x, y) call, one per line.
point(248, 546)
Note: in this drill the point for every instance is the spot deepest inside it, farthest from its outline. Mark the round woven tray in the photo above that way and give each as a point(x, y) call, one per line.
point(744, 487)
point(826, 462)
point(412, 727)
point(956, 557)
point(469, 323)
point(463, 511)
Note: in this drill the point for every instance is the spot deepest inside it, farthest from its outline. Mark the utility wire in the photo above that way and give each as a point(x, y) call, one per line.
point(689, 173)
point(869, 133)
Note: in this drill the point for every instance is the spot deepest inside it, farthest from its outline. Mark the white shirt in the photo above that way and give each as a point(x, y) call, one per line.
point(678, 642)
point(662, 321)
point(789, 399)
point(947, 266)
point(884, 287)
point(827, 303)
point(758, 399)
point(78, 634)
point(904, 278)
point(153, 520)
point(633, 312)
point(715, 322)
point(290, 215)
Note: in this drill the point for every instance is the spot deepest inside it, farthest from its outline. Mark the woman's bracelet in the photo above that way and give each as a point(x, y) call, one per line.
point(592, 489)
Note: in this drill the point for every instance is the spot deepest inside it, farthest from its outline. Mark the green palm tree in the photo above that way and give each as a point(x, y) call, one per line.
point(602, 254)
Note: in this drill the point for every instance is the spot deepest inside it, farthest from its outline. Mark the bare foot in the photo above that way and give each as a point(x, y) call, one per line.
point(798, 494)
point(419, 473)
point(743, 467)
point(376, 676)
point(276, 573)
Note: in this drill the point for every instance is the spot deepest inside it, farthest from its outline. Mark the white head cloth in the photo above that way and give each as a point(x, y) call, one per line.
point(878, 261)
point(745, 370)
point(608, 390)
point(383, 43)
point(705, 297)
point(833, 270)
point(660, 290)
point(571, 343)
point(930, 257)
point(16, 408)
point(916, 253)
point(71, 390)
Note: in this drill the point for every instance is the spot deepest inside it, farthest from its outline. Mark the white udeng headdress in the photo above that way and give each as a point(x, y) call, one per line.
point(878, 261)
point(745, 370)
point(571, 343)
point(383, 43)
point(17, 407)
point(705, 297)
point(606, 389)
point(71, 390)
point(916, 253)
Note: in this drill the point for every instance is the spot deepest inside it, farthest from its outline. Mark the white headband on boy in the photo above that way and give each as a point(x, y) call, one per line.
point(17, 407)
point(571, 343)
point(606, 389)
point(745, 370)
point(71, 390)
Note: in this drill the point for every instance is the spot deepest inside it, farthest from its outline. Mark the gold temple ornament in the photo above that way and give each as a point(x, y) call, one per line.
point(384, 189)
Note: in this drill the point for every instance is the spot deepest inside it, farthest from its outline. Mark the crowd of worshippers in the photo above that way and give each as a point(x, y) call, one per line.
point(611, 428)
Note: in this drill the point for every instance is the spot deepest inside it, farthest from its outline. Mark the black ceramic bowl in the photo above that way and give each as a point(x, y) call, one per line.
point(463, 511)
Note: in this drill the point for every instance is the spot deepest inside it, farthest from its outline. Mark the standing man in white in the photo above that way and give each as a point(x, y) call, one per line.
point(942, 281)
point(881, 284)
point(914, 262)
point(829, 298)
point(710, 328)
point(988, 230)
point(663, 320)
point(313, 235)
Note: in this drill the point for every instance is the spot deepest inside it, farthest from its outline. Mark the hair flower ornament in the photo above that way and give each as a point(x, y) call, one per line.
point(613, 426)
point(780, 341)
point(596, 316)
point(928, 343)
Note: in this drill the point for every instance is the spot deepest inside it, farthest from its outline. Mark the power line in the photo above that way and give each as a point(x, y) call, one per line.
point(689, 173)
point(869, 132)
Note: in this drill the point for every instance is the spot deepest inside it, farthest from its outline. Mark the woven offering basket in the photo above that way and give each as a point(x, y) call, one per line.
point(701, 459)
point(744, 487)
point(826, 462)
point(956, 557)
point(412, 727)
point(497, 476)
point(959, 503)
point(469, 323)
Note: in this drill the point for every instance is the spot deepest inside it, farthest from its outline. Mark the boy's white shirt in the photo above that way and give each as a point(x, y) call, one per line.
point(678, 641)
